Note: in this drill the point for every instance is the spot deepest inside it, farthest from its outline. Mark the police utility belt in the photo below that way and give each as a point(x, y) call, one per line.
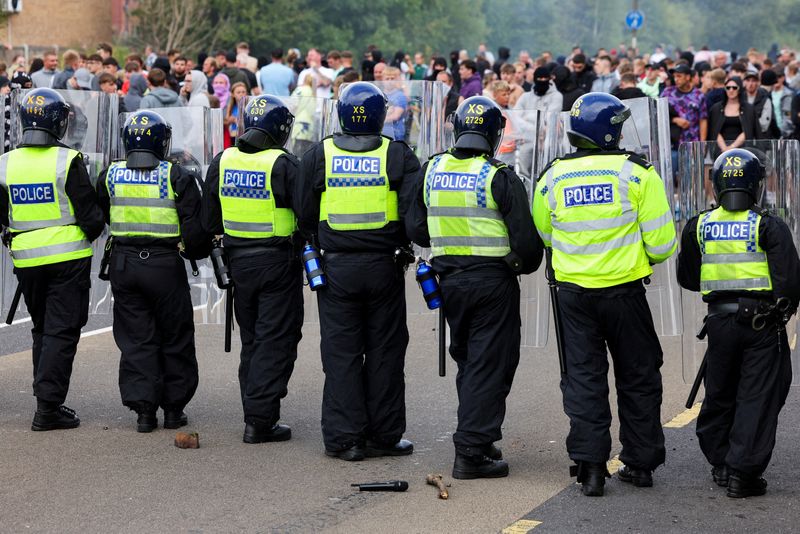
point(753, 312)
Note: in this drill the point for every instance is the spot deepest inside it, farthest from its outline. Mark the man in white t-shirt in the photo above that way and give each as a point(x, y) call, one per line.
point(323, 76)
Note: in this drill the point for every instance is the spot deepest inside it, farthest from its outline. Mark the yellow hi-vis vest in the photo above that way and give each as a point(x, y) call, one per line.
point(606, 218)
point(732, 258)
point(41, 215)
point(357, 194)
point(245, 194)
point(463, 218)
point(142, 201)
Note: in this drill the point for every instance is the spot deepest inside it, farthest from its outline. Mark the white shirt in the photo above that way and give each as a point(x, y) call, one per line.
point(322, 91)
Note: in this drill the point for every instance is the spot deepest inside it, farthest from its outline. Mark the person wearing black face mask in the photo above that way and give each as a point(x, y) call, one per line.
point(544, 96)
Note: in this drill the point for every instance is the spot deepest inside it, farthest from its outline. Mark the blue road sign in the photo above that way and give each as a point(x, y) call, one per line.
point(634, 20)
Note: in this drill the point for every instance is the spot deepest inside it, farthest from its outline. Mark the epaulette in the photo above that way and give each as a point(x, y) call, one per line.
point(547, 168)
point(764, 212)
point(496, 163)
point(639, 160)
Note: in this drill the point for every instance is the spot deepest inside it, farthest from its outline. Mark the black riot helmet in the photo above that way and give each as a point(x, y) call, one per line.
point(147, 137)
point(45, 116)
point(361, 108)
point(478, 124)
point(737, 177)
point(267, 123)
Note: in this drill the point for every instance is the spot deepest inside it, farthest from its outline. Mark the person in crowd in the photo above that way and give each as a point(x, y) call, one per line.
point(195, 89)
point(160, 95)
point(136, 88)
point(650, 84)
point(565, 84)
point(582, 74)
point(232, 71)
point(394, 126)
point(72, 62)
point(232, 112)
point(690, 105)
point(322, 76)
point(627, 87)
point(451, 101)
point(470, 80)
point(276, 78)
point(715, 82)
point(44, 77)
point(606, 80)
point(732, 121)
point(507, 74)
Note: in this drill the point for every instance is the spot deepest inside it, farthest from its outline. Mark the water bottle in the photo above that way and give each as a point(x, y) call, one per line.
point(426, 278)
point(312, 263)
point(220, 263)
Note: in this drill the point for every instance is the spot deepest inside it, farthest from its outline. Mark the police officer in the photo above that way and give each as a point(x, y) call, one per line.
point(249, 196)
point(473, 211)
point(743, 260)
point(604, 213)
point(354, 197)
point(153, 211)
point(50, 208)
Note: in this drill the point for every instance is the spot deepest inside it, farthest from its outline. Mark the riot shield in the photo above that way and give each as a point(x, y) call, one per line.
point(415, 115)
point(197, 137)
point(646, 132)
point(781, 158)
point(92, 130)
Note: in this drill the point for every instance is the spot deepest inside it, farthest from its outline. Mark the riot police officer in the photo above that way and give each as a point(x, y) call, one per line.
point(50, 208)
point(354, 197)
point(249, 196)
point(473, 211)
point(153, 211)
point(605, 214)
point(744, 262)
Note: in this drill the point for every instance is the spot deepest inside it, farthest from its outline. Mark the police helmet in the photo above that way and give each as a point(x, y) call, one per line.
point(147, 137)
point(267, 122)
point(737, 177)
point(361, 109)
point(595, 121)
point(478, 124)
point(45, 116)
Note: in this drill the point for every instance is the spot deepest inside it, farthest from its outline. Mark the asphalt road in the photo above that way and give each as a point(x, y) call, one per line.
point(105, 477)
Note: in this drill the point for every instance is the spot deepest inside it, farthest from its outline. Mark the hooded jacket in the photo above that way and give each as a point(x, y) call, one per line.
point(562, 77)
point(551, 101)
point(160, 97)
point(136, 90)
point(199, 94)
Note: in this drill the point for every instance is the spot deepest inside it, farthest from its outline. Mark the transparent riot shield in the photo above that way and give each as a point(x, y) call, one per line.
point(781, 158)
point(92, 130)
point(646, 132)
point(415, 115)
point(197, 137)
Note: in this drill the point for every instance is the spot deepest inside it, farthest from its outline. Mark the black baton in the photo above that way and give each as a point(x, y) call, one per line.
point(228, 318)
point(14, 305)
point(442, 343)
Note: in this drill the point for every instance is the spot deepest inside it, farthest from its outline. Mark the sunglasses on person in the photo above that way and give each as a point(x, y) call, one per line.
point(731, 87)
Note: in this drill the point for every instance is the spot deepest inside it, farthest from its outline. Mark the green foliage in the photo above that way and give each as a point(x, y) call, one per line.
point(535, 25)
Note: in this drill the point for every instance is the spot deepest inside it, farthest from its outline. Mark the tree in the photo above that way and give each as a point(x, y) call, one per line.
point(186, 25)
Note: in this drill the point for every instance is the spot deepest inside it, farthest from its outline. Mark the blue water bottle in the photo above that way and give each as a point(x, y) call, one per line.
point(426, 278)
point(312, 263)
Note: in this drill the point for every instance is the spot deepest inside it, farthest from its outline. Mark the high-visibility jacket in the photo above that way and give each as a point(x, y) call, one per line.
point(142, 201)
point(245, 194)
point(463, 217)
point(732, 258)
point(41, 216)
point(606, 217)
point(357, 195)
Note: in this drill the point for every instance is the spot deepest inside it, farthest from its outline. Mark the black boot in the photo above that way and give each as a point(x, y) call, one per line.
point(376, 449)
point(493, 451)
point(354, 453)
point(720, 475)
point(51, 416)
point(146, 422)
point(260, 433)
point(592, 477)
point(468, 467)
point(641, 478)
point(175, 419)
point(742, 485)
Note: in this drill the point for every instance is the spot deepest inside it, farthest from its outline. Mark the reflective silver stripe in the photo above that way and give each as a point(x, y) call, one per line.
point(51, 250)
point(544, 236)
point(723, 285)
point(551, 195)
point(61, 185)
point(143, 202)
point(656, 223)
point(470, 241)
point(248, 227)
point(659, 249)
point(745, 257)
point(622, 186)
point(3, 169)
point(450, 211)
point(152, 228)
point(597, 224)
point(597, 248)
point(354, 218)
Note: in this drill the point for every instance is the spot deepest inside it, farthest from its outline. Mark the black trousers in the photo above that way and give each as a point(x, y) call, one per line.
point(154, 329)
point(747, 381)
point(619, 318)
point(57, 297)
point(268, 302)
point(482, 311)
point(362, 315)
